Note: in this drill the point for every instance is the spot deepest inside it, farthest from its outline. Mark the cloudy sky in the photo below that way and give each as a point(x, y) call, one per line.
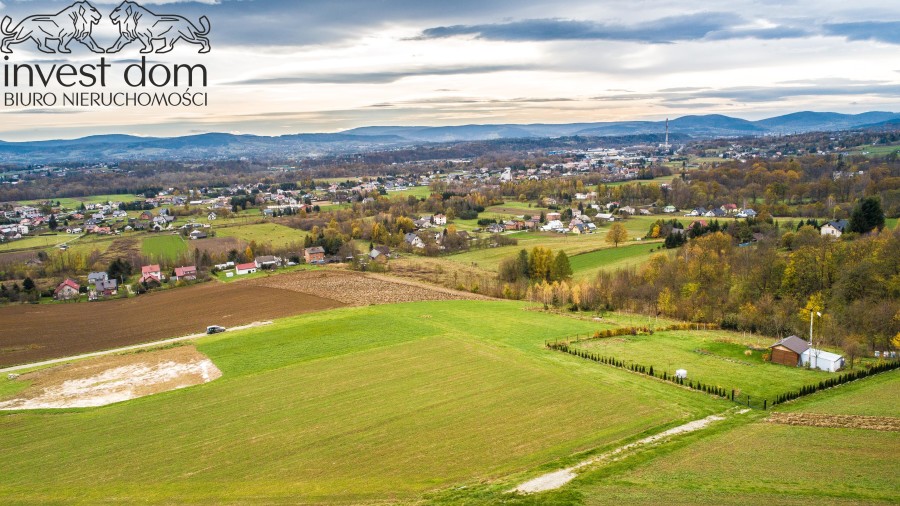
point(288, 66)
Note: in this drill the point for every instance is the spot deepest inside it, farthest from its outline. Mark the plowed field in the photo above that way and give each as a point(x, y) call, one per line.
point(30, 333)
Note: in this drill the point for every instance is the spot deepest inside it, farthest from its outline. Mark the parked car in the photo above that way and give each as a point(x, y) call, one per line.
point(214, 329)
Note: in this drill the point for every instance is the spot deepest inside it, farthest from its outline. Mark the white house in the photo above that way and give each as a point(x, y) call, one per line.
point(834, 228)
point(821, 359)
point(248, 268)
point(553, 225)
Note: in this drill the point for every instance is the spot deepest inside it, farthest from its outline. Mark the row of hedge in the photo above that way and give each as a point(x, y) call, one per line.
point(715, 389)
point(633, 331)
point(843, 378)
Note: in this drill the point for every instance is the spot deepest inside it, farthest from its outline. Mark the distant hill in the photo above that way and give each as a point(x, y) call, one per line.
point(213, 146)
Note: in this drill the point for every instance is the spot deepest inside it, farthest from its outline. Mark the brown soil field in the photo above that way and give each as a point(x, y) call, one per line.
point(884, 423)
point(116, 378)
point(359, 289)
point(218, 245)
point(17, 257)
point(35, 332)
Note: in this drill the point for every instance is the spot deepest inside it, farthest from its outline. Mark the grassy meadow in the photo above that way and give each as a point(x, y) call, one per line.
point(373, 404)
point(714, 357)
point(163, 247)
point(276, 235)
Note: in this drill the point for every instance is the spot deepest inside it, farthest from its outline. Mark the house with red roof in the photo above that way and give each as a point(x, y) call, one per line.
point(248, 268)
point(66, 290)
point(188, 273)
point(151, 273)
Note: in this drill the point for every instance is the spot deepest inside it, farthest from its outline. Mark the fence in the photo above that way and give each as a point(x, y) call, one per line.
point(739, 398)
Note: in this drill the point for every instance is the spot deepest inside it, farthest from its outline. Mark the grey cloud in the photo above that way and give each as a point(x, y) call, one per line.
point(379, 77)
point(881, 31)
point(663, 30)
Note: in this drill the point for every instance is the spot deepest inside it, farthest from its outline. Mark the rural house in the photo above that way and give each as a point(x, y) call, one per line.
point(66, 290)
point(248, 268)
point(268, 261)
point(835, 228)
point(188, 273)
point(96, 277)
point(107, 287)
point(151, 273)
point(788, 351)
point(314, 255)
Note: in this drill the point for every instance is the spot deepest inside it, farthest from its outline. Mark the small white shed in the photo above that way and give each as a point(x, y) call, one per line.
point(821, 359)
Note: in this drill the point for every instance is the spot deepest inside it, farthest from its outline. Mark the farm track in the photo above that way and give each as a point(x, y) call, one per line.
point(882, 423)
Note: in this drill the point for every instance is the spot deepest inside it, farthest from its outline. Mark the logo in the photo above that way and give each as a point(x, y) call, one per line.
point(138, 23)
point(54, 32)
point(75, 22)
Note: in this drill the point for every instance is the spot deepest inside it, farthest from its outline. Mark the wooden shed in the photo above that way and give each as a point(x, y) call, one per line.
point(788, 351)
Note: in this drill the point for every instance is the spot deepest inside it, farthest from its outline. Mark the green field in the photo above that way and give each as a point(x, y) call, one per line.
point(37, 242)
point(163, 247)
point(374, 404)
point(75, 202)
point(278, 236)
point(713, 357)
point(760, 463)
point(875, 396)
point(587, 265)
point(416, 191)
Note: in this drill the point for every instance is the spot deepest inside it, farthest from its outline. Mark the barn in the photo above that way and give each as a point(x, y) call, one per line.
point(788, 351)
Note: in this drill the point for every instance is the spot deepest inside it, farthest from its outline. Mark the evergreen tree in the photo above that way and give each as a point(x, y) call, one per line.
point(867, 215)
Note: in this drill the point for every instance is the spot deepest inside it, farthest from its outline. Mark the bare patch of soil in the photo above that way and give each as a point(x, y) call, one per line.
point(359, 289)
point(883, 423)
point(106, 380)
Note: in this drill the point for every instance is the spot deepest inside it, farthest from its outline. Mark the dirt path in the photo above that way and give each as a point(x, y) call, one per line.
point(556, 479)
point(883, 423)
point(123, 349)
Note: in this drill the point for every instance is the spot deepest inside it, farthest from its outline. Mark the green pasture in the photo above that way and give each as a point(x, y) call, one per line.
point(278, 236)
point(163, 247)
point(378, 404)
point(37, 242)
point(713, 357)
point(587, 265)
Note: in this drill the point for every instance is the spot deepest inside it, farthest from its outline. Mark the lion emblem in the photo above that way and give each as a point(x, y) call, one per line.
point(75, 22)
point(137, 23)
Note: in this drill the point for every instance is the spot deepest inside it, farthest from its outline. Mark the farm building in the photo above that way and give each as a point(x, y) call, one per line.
point(248, 268)
point(823, 360)
point(315, 255)
point(788, 350)
point(66, 290)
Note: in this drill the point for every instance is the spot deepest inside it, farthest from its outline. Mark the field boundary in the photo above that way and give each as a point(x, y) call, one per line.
point(132, 347)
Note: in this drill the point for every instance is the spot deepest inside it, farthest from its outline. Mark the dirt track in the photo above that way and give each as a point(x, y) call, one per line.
point(32, 333)
point(883, 423)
